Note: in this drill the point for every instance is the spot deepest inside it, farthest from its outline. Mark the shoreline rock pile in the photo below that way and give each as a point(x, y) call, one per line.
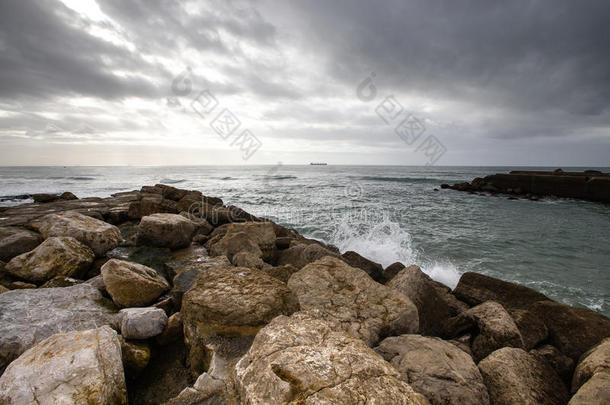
point(591, 185)
point(167, 296)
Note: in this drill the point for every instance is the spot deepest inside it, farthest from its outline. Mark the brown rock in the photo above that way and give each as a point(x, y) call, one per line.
point(533, 330)
point(259, 234)
point(173, 331)
point(165, 230)
point(435, 368)
point(135, 356)
point(596, 360)
point(132, 284)
point(15, 241)
point(282, 273)
point(348, 296)
point(61, 281)
point(514, 377)
point(300, 255)
point(596, 391)
point(562, 364)
point(374, 270)
point(391, 271)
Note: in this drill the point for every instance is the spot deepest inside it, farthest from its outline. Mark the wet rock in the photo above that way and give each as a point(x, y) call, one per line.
point(596, 391)
point(374, 270)
point(533, 330)
point(98, 235)
point(513, 376)
point(435, 368)
point(15, 241)
point(493, 326)
point(303, 359)
point(29, 316)
point(596, 360)
point(347, 295)
point(434, 304)
point(391, 271)
point(301, 255)
point(79, 367)
point(562, 364)
point(474, 289)
point(155, 258)
point(142, 323)
point(135, 357)
point(230, 301)
point(572, 330)
point(132, 284)
point(165, 230)
point(61, 281)
point(56, 256)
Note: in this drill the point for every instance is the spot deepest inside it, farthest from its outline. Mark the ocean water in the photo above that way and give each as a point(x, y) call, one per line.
point(560, 247)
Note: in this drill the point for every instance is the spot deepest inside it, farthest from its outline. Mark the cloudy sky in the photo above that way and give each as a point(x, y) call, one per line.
point(146, 82)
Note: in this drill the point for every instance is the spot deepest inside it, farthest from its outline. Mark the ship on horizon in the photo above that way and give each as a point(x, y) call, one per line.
point(318, 164)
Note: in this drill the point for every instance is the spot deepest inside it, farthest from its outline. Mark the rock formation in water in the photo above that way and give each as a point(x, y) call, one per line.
point(167, 296)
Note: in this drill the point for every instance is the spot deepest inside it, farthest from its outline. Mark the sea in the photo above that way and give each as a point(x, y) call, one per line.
point(560, 247)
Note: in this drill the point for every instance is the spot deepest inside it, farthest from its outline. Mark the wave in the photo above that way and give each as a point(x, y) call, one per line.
point(280, 177)
point(405, 179)
point(228, 178)
point(386, 242)
point(171, 181)
point(80, 178)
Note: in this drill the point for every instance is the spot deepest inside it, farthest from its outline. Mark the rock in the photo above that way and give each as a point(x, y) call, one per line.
point(513, 376)
point(391, 271)
point(301, 255)
point(165, 230)
point(68, 196)
point(594, 361)
point(3, 289)
point(596, 391)
point(494, 327)
point(98, 235)
point(474, 289)
point(230, 301)
point(15, 241)
point(282, 273)
point(173, 331)
point(302, 359)
point(572, 330)
point(20, 285)
point(155, 258)
point(29, 316)
point(260, 234)
point(135, 357)
point(79, 367)
point(374, 270)
point(248, 259)
point(132, 284)
point(437, 369)
point(170, 192)
point(97, 282)
point(364, 308)
point(61, 281)
point(45, 198)
point(56, 256)
point(562, 364)
point(533, 330)
point(187, 272)
point(433, 303)
point(142, 323)
point(166, 303)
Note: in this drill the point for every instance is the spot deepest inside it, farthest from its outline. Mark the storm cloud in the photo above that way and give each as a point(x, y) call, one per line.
point(522, 82)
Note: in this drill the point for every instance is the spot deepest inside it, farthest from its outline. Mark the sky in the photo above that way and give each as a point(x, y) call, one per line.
point(161, 82)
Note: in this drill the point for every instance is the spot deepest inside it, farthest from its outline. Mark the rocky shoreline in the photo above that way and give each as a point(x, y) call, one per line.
point(590, 185)
point(167, 296)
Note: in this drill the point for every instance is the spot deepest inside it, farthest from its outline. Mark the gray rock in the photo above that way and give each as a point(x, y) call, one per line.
point(98, 235)
point(132, 284)
point(142, 323)
point(435, 368)
point(303, 359)
point(15, 241)
point(513, 377)
point(350, 297)
point(171, 231)
point(29, 316)
point(78, 367)
point(56, 256)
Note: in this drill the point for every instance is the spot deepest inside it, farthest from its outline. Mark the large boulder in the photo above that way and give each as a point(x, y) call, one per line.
point(435, 303)
point(132, 284)
point(435, 368)
point(79, 367)
point(15, 241)
point(475, 289)
point(374, 270)
point(98, 235)
point(166, 230)
point(364, 308)
point(513, 377)
point(29, 316)
point(254, 236)
point(303, 359)
point(142, 323)
point(493, 326)
point(230, 302)
point(56, 256)
point(572, 330)
point(596, 391)
point(301, 254)
point(596, 360)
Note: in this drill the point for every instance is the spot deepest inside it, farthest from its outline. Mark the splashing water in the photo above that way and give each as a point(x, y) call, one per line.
point(386, 242)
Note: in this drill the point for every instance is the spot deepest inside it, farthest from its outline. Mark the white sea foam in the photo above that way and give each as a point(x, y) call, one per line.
point(386, 242)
